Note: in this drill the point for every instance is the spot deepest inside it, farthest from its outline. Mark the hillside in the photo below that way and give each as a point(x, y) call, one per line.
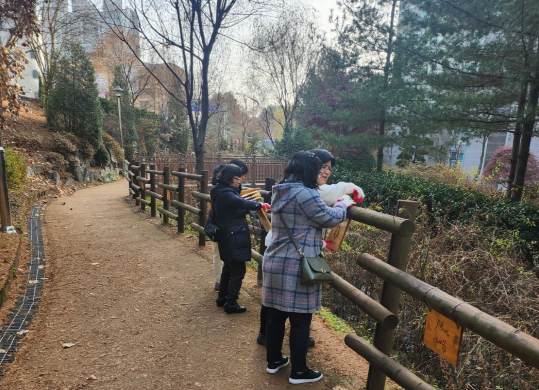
point(31, 136)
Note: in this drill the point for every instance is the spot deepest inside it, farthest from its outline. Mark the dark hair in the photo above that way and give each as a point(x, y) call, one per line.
point(240, 164)
point(216, 171)
point(304, 167)
point(324, 156)
point(226, 176)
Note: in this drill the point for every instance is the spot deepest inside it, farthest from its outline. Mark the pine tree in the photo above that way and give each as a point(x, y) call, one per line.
point(73, 105)
point(473, 66)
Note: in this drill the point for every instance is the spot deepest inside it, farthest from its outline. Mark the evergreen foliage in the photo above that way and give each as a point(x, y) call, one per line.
point(294, 139)
point(449, 204)
point(73, 105)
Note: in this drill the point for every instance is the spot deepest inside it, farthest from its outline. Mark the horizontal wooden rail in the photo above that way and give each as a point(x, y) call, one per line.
point(392, 369)
point(134, 167)
point(256, 256)
point(167, 213)
point(255, 230)
point(143, 201)
point(518, 343)
point(129, 173)
point(136, 187)
point(197, 227)
point(401, 226)
point(154, 194)
point(191, 176)
point(200, 195)
point(184, 206)
point(169, 187)
point(374, 309)
point(143, 179)
point(155, 171)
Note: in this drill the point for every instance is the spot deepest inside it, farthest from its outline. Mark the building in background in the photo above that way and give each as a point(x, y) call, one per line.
point(29, 80)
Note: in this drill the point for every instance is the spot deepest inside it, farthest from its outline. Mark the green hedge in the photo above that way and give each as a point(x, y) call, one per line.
point(451, 204)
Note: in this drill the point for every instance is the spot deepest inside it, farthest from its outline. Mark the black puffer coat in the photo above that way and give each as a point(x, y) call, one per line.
point(230, 211)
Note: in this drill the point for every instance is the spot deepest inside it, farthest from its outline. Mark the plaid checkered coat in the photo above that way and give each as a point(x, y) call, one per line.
point(305, 214)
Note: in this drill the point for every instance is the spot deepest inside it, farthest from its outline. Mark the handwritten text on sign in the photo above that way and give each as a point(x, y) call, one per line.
point(443, 336)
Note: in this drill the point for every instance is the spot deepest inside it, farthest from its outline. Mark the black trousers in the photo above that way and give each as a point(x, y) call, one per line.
point(299, 337)
point(231, 278)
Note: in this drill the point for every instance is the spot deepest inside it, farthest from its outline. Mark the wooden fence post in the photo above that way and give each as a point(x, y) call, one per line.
point(153, 206)
point(142, 174)
point(166, 193)
point(398, 258)
point(203, 207)
point(135, 182)
point(181, 199)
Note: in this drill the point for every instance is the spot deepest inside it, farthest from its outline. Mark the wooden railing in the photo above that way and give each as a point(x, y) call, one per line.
point(260, 167)
point(393, 272)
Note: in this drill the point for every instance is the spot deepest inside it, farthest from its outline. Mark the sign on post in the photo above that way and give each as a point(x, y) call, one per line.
point(443, 336)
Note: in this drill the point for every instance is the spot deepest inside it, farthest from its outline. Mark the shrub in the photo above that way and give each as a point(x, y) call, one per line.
point(102, 157)
point(84, 147)
point(57, 160)
point(62, 144)
point(16, 170)
point(451, 204)
point(480, 266)
point(113, 147)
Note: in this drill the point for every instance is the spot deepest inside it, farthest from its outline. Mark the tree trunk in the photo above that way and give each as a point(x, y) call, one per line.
point(481, 162)
point(527, 133)
point(516, 138)
point(387, 71)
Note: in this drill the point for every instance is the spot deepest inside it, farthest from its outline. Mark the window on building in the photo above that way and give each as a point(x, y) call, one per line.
point(32, 54)
point(35, 74)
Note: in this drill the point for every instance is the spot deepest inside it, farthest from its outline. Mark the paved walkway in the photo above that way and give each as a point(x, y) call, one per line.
point(128, 304)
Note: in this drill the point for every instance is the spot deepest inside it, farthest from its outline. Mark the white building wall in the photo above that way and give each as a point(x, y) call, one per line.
point(29, 80)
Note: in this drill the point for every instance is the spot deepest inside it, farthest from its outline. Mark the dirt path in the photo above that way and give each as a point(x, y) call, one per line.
point(137, 303)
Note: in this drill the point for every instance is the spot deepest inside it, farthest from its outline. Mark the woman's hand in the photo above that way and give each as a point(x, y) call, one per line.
point(326, 246)
point(266, 207)
point(347, 201)
point(358, 195)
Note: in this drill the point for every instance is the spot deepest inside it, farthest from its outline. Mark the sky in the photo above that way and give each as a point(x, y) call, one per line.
point(324, 9)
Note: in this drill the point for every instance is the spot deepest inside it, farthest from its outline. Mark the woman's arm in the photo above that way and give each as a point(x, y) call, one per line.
point(331, 192)
point(317, 212)
point(234, 201)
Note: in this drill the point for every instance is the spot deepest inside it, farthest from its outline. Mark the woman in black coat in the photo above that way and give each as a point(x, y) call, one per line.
point(235, 245)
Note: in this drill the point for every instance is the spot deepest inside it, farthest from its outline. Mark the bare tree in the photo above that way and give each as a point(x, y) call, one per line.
point(182, 32)
point(17, 18)
point(285, 51)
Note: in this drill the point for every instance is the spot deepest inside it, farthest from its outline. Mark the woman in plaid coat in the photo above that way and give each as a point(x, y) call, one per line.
point(296, 201)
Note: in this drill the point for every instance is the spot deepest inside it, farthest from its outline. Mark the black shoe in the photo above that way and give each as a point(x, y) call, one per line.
point(297, 378)
point(261, 339)
point(233, 307)
point(276, 366)
point(220, 301)
point(311, 342)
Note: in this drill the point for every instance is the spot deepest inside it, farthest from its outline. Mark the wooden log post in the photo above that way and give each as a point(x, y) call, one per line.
point(142, 175)
point(398, 258)
point(166, 193)
point(181, 199)
point(203, 207)
point(153, 203)
point(135, 182)
point(130, 177)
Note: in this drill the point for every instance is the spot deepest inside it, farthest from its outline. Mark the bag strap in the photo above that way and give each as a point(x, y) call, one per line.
point(292, 238)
